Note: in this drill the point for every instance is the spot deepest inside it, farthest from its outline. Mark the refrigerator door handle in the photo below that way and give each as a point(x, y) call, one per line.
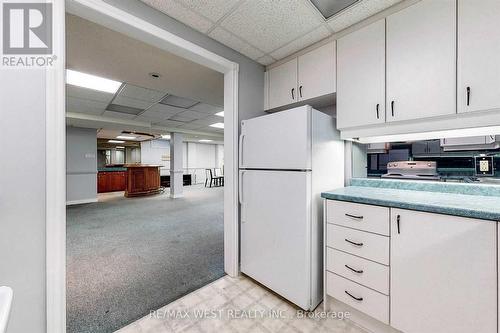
point(240, 195)
point(241, 148)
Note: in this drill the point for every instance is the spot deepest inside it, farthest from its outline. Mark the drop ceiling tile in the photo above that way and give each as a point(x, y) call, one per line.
point(124, 109)
point(269, 25)
point(181, 119)
point(140, 93)
point(266, 60)
point(181, 13)
point(74, 104)
point(191, 126)
point(165, 109)
point(302, 42)
point(169, 123)
point(208, 120)
point(151, 116)
point(131, 102)
point(212, 9)
point(118, 115)
point(207, 108)
point(90, 94)
point(358, 12)
point(191, 114)
point(180, 102)
point(235, 43)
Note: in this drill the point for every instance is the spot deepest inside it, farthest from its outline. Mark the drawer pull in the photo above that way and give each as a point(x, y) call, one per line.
point(359, 271)
point(359, 217)
point(353, 243)
point(356, 298)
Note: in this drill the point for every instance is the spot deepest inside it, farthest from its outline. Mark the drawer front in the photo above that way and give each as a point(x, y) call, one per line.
point(358, 216)
point(369, 301)
point(362, 271)
point(363, 244)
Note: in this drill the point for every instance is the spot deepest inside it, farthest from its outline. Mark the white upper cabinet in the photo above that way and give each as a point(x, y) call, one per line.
point(478, 51)
point(443, 273)
point(361, 77)
point(283, 84)
point(317, 72)
point(421, 61)
point(308, 76)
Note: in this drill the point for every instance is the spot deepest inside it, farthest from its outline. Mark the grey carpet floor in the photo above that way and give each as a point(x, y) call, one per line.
point(126, 257)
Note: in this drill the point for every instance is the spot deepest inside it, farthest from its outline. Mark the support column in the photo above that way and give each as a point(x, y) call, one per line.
point(176, 172)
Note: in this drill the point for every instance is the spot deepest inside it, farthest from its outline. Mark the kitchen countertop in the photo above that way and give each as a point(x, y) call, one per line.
point(466, 200)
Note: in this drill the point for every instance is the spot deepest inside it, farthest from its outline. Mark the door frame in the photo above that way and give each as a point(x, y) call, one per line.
point(114, 18)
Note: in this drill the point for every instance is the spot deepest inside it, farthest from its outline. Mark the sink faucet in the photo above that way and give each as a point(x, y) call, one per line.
point(6, 295)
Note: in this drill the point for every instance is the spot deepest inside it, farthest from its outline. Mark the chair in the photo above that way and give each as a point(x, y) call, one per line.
point(219, 178)
point(209, 177)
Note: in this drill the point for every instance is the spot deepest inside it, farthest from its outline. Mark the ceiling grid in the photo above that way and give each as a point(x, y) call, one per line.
point(266, 30)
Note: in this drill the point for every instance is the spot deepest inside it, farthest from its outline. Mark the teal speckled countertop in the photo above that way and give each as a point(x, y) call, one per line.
point(467, 200)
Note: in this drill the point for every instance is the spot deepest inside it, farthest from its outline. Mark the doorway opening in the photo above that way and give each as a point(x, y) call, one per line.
point(189, 138)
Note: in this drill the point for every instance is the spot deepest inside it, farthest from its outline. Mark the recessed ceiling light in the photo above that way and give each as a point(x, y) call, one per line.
point(220, 114)
point(120, 147)
point(91, 81)
point(217, 125)
point(165, 136)
point(205, 140)
point(116, 141)
point(126, 137)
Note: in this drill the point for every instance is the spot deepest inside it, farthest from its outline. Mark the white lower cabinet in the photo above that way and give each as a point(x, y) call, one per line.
point(443, 273)
point(440, 276)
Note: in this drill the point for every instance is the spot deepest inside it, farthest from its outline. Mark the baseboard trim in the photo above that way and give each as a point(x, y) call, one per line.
point(81, 201)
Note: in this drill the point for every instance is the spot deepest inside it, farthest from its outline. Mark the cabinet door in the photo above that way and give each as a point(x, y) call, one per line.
point(443, 273)
point(317, 72)
point(478, 50)
point(421, 61)
point(283, 84)
point(361, 77)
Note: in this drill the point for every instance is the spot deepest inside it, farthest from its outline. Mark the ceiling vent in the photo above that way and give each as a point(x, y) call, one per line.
point(329, 8)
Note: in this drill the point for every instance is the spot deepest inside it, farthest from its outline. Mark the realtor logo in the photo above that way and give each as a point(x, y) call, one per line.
point(27, 28)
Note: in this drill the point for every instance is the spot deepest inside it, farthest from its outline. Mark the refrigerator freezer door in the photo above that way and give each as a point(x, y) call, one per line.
point(281, 140)
point(275, 231)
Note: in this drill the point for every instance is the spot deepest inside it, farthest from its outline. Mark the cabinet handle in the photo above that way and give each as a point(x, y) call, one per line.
point(398, 220)
point(392, 108)
point(356, 298)
point(360, 271)
point(353, 243)
point(377, 110)
point(354, 216)
point(468, 96)
point(293, 96)
point(300, 91)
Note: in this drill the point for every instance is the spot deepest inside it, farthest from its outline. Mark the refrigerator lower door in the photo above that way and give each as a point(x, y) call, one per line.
point(276, 230)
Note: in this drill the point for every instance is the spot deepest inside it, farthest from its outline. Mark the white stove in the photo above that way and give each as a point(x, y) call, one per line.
point(419, 170)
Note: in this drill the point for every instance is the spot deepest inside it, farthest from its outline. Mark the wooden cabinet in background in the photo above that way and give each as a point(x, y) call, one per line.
point(142, 180)
point(111, 181)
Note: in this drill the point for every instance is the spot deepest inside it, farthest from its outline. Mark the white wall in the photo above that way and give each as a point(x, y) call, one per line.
point(152, 152)
point(81, 165)
point(196, 157)
point(22, 196)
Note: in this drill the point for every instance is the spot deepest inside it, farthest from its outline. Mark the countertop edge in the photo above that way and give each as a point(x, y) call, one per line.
point(482, 215)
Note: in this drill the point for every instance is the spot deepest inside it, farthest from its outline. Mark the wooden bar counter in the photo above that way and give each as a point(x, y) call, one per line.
point(142, 179)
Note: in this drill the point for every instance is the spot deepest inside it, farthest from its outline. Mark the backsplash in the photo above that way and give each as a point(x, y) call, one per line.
point(457, 165)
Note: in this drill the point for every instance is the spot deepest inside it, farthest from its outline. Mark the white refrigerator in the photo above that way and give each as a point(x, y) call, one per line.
point(286, 160)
